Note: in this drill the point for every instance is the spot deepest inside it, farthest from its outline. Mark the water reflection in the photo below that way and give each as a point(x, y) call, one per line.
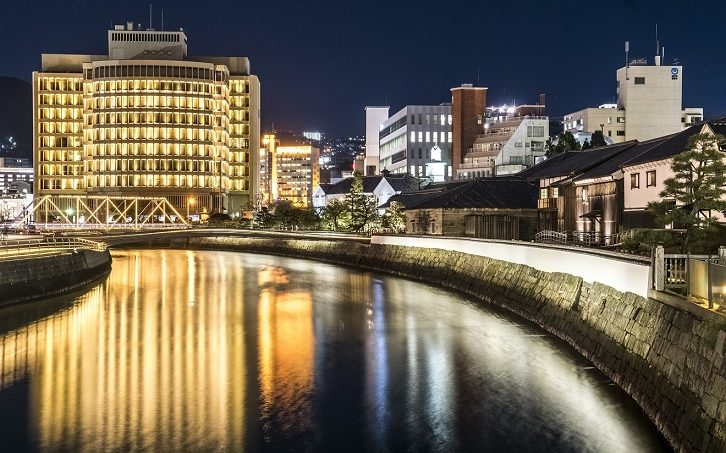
point(190, 351)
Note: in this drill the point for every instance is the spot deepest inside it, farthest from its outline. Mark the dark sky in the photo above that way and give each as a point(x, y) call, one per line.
point(320, 63)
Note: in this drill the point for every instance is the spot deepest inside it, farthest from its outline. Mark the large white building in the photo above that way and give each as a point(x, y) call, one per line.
point(417, 140)
point(650, 98)
point(146, 119)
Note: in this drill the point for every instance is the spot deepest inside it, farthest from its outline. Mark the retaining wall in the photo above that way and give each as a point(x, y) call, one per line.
point(670, 361)
point(30, 278)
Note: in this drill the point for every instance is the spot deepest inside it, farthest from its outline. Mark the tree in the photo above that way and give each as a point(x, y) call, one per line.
point(564, 142)
point(697, 188)
point(336, 214)
point(586, 145)
point(363, 209)
point(394, 218)
point(597, 139)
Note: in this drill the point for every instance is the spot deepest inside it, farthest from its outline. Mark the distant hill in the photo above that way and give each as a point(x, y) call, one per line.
point(16, 114)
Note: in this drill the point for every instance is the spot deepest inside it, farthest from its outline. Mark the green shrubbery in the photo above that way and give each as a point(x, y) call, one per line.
point(702, 242)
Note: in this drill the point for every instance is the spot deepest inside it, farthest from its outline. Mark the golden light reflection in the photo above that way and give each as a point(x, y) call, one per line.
point(286, 349)
point(124, 368)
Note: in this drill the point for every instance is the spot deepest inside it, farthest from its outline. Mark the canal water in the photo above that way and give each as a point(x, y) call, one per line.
point(219, 351)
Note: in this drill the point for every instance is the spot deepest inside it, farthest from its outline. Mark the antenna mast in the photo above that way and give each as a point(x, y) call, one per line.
point(627, 49)
point(162, 20)
point(151, 16)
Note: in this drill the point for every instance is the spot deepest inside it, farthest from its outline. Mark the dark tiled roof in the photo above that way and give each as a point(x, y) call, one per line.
point(411, 198)
point(573, 162)
point(667, 146)
point(343, 186)
point(492, 193)
point(404, 182)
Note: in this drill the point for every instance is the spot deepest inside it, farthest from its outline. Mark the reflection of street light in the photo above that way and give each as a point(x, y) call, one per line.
point(190, 201)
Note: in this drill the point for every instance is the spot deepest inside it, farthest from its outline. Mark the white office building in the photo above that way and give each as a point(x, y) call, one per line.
point(375, 116)
point(650, 98)
point(417, 140)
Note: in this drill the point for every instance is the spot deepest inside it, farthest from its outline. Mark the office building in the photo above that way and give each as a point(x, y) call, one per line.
point(12, 170)
point(146, 119)
point(375, 116)
point(468, 109)
point(298, 173)
point(649, 104)
point(417, 140)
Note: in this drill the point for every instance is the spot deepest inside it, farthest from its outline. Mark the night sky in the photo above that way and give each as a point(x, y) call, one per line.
point(320, 63)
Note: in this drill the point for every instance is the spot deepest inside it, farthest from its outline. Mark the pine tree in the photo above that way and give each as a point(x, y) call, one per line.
point(362, 207)
point(697, 187)
point(394, 218)
point(597, 139)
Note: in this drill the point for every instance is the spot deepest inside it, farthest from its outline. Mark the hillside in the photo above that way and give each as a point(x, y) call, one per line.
point(16, 114)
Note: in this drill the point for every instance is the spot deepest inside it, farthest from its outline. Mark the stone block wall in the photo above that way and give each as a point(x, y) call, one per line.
point(43, 276)
point(669, 361)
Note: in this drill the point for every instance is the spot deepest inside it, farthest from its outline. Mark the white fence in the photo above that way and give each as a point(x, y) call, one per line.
point(622, 272)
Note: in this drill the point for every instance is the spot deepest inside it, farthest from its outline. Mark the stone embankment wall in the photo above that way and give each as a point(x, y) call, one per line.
point(670, 361)
point(42, 276)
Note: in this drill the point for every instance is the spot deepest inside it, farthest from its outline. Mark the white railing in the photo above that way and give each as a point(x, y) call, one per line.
point(20, 246)
point(692, 276)
point(590, 239)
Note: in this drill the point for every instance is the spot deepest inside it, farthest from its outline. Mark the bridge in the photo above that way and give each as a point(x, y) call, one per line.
point(66, 212)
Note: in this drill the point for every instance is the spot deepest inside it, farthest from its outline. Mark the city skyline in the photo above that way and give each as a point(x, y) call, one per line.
point(321, 75)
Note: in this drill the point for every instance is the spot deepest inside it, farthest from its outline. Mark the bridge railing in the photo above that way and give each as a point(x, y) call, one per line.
point(21, 246)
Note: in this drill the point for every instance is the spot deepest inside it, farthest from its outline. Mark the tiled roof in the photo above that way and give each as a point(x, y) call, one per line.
point(343, 186)
point(404, 182)
point(666, 147)
point(573, 162)
point(482, 193)
point(411, 198)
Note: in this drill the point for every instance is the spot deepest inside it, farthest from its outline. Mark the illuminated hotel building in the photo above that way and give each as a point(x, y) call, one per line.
point(147, 120)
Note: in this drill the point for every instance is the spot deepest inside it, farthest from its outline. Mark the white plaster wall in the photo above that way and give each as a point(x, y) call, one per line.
point(625, 276)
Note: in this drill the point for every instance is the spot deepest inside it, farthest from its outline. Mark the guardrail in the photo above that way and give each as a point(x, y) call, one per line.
point(15, 247)
point(590, 239)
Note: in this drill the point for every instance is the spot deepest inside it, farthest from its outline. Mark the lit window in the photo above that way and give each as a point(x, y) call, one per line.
point(420, 137)
point(650, 178)
point(449, 120)
point(450, 137)
point(413, 137)
point(428, 136)
point(584, 194)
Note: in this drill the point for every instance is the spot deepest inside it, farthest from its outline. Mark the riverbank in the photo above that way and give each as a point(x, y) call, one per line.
point(27, 278)
point(669, 361)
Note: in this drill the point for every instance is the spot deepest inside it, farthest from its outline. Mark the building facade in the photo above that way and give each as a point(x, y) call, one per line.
point(468, 109)
point(147, 120)
point(650, 98)
point(297, 174)
point(417, 140)
point(375, 116)
point(12, 170)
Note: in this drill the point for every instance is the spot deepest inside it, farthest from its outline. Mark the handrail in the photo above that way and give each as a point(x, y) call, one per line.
point(26, 245)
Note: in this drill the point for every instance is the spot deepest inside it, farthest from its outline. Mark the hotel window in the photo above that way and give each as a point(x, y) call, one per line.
point(420, 118)
point(449, 121)
point(428, 136)
point(650, 178)
point(450, 137)
point(420, 153)
point(413, 119)
point(640, 80)
point(635, 181)
point(621, 133)
point(621, 119)
point(420, 137)
point(413, 137)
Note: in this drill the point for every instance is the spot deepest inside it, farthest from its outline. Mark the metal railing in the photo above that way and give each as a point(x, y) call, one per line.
point(589, 239)
point(19, 247)
point(692, 276)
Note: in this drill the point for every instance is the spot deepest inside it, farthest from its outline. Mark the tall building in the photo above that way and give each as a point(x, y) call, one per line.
point(147, 120)
point(298, 173)
point(468, 109)
point(650, 98)
point(289, 172)
point(13, 170)
point(417, 140)
point(375, 116)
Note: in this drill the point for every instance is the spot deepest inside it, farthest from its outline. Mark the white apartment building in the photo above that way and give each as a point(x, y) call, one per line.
point(417, 140)
point(650, 98)
point(509, 144)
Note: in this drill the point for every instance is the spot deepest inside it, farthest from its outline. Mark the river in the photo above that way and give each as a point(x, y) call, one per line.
point(218, 351)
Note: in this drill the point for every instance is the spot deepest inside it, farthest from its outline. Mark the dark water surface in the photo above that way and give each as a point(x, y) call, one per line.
point(216, 351)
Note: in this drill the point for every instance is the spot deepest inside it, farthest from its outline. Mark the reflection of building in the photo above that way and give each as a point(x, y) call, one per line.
point(147, 120)
point(408, 137)
point(649, 105)
point(268, 167)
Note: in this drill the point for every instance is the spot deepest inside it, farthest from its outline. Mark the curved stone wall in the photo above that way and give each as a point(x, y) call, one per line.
point(37, 277)
point(670, 361)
